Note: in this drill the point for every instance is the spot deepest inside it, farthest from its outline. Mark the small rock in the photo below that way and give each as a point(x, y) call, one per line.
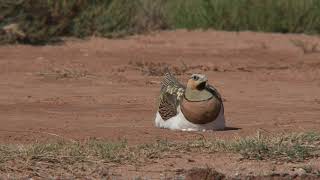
point(279, 163)
point(300, 171)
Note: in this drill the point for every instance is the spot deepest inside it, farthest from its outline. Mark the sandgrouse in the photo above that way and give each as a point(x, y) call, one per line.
point(197, 107)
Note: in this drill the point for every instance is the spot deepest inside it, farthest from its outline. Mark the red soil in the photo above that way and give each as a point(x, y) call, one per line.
point(108, 88)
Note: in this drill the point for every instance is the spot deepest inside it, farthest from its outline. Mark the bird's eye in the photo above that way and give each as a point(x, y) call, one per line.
point(195, 78)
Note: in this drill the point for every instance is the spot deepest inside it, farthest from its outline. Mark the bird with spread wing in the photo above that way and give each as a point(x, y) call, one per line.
point(196, 107)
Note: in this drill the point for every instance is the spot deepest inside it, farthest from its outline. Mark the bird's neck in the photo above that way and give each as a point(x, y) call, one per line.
point(197, 95)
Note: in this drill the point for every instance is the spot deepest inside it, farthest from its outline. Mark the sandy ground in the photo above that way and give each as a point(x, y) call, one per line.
point(108, 88)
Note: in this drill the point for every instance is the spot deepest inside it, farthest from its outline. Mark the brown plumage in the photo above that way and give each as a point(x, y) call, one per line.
point(199, 102)
point(201, 112)
point(170, 96)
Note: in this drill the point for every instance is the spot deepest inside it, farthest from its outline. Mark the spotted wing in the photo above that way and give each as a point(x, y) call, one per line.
point(170, 95)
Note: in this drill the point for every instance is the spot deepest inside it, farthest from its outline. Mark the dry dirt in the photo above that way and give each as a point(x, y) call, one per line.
point(108, 88)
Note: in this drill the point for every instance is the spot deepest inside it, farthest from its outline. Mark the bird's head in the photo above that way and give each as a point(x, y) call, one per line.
point(197, 88)
point(197, 82)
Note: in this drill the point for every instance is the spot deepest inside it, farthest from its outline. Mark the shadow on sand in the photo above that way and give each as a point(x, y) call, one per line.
point(231, 129)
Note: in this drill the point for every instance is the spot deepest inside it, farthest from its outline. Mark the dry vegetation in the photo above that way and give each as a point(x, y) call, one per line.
point(64, 73)
point(159, 69)
point(87, 157)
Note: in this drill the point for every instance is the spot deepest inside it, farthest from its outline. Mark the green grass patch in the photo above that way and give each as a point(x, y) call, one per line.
point(39, 22)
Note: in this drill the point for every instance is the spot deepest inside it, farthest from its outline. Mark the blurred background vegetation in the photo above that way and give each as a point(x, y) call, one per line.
point(45, 21)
